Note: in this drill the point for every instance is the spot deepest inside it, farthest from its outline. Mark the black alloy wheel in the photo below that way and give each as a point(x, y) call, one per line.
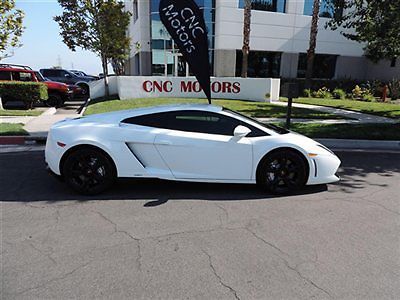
point(283, 172)
point(89, 171)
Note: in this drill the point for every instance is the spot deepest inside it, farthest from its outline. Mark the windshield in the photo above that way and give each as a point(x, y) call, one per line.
point(272, 127)
point(39, 76)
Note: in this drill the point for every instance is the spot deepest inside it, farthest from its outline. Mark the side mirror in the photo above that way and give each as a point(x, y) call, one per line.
point(67, 76)
point(241, 131)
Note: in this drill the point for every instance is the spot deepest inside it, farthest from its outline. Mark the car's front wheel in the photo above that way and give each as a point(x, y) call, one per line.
point(282, 172)
point(89, 171)
point(54, 101)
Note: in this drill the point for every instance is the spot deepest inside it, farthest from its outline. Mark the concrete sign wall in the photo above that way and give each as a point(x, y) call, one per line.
point(128, 87)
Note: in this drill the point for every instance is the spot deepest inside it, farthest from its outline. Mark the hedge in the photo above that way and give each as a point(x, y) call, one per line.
point(27, 92)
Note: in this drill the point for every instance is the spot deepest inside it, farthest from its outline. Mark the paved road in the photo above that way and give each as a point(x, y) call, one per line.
point(156, 239)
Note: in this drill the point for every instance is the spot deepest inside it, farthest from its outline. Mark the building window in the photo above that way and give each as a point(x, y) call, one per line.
point(324, 66)
point(164, 50)
point(262, 64)
point(135, 11)
point(266, 5)
point(327, 9)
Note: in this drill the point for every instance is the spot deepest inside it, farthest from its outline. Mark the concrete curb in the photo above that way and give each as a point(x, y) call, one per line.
point(49, 112)
point(360, 144)
point(12, 140)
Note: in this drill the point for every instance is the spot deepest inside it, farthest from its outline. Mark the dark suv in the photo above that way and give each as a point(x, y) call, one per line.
point(68, 77)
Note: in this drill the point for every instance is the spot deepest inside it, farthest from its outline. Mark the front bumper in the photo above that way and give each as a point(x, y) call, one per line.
point(324, 169)
point(50, 172)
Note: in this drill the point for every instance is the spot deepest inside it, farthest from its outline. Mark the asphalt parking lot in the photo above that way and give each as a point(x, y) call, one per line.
point(169, 240)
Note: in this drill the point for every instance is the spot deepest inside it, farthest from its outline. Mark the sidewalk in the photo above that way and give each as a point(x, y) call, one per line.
point(360, 117)
point(15, 120)
point(39, 126)
point(320, 121)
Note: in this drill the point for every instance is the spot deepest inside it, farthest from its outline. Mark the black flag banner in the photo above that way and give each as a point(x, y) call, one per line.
point(185, 23)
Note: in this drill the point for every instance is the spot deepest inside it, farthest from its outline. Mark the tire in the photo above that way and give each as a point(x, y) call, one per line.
point(85, 90)
point(282, 172)
point(89, 171)
point(54, 101)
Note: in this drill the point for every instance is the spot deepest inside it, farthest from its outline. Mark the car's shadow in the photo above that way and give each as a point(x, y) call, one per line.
point(26, 180)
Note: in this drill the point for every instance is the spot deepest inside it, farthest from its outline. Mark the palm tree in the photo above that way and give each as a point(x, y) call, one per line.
point(313, 43)
point(246, 37)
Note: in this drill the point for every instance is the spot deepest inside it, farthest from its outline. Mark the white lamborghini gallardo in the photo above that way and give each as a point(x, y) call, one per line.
point(202, 143)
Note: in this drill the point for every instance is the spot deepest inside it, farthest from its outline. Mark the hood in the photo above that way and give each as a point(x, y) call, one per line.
point(55, 85)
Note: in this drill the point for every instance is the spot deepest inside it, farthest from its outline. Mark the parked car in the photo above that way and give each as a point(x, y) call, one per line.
point(200, 143)
point(83, 74)
point(58, 92)
point(68, 77)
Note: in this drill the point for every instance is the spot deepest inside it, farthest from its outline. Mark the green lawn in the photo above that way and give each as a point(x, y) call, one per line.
point(253, 109)
point(19, 113)
point(8, 129)
point(374, 108)
point(349, 131)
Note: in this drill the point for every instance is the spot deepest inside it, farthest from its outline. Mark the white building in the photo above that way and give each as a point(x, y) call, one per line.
point(280, 32)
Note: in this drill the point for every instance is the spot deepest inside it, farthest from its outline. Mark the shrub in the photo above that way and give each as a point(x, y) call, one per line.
point(394, 89)
point(357, 92)
point(375, 87)
point(368, 97)
point(307, 93)
point(362, 93)
point(339, 94)
point(27, 92)
point(346, 84)
point(323, 93)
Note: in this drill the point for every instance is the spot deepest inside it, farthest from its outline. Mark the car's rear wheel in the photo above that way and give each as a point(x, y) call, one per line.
point(85, 90)
point(89, 171)
point(282, 172)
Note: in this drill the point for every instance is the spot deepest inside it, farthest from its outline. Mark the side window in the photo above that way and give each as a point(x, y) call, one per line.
point(24, 76)
point(61, 73)
point(50, 73)
point(159, 120)
point(5, 75)
point(203, 122)
point(194, 121)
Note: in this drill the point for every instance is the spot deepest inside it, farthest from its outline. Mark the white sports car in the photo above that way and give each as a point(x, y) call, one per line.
point(203, 143)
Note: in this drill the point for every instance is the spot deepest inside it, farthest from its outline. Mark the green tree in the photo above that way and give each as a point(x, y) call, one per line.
point(246, 37)
point(375, 23)
point(11, 27)
point(99, 26)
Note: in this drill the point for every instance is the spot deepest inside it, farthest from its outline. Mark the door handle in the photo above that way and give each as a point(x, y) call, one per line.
point(163, 142)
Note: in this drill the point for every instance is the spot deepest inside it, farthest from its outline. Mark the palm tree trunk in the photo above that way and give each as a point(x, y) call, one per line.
point(313, 43)
point(105, 74)
point(246, 37)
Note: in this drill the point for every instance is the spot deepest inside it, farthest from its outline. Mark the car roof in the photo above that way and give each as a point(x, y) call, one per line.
point(11, 69)
point(118, 116)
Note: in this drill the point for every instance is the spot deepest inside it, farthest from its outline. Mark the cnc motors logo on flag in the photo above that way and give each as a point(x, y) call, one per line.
point(185, 23)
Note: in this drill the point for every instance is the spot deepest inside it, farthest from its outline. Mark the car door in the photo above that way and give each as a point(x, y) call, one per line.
point(201, 145)
point(139, 134)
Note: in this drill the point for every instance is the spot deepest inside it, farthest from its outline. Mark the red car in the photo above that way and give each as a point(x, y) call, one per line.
point(58, 92)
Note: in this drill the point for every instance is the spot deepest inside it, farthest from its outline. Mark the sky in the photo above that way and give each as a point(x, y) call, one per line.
point(42, 44)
